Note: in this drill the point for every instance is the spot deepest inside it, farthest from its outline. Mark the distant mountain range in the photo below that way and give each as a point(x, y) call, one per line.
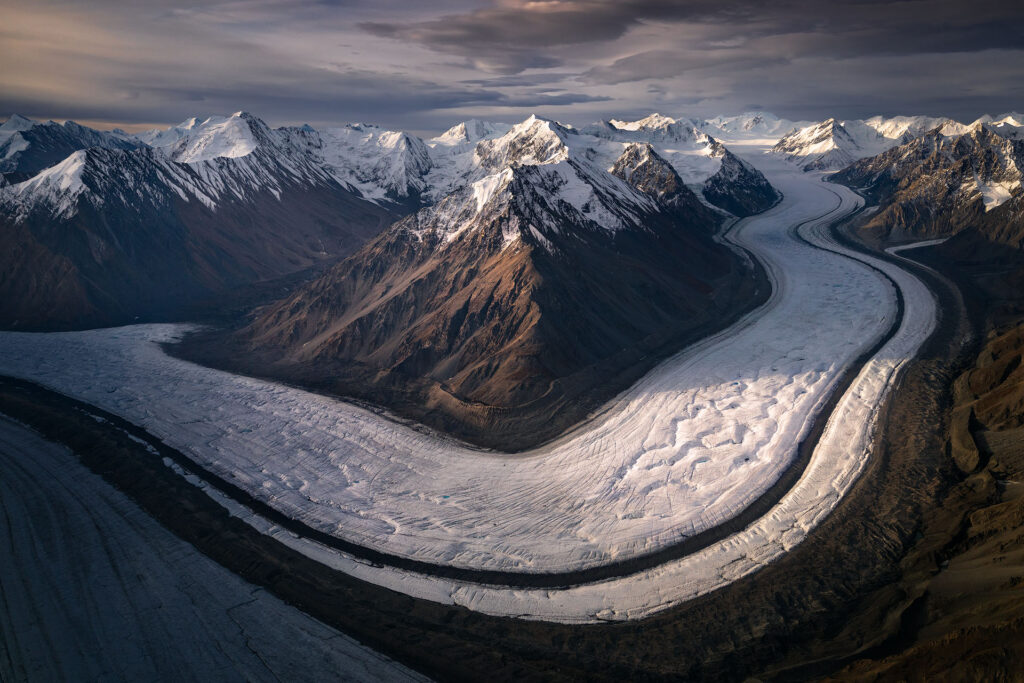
point(120, 232)
point(106, 227)
point(967, 187)
point(832, 144)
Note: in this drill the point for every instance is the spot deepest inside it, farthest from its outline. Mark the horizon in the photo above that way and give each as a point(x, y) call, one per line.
point(136, 128)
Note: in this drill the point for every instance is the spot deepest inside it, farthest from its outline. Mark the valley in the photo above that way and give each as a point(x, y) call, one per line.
point(720, 466)
point(296, 451)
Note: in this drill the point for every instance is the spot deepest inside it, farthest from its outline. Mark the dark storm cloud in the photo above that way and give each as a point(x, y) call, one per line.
point(522, 34)
point(517, 34)
point(425, 65)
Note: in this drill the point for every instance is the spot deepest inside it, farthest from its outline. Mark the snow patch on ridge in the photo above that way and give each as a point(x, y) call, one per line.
point(993, 193)
point(485, 188)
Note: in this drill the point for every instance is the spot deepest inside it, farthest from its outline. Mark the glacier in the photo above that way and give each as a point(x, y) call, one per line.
point(687, 447)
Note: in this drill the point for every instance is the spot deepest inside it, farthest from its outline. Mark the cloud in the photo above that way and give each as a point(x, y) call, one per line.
point(516, 35)
point(660, 64)
point(421, 65)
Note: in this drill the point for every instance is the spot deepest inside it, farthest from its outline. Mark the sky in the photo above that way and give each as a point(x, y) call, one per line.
point(422, 66)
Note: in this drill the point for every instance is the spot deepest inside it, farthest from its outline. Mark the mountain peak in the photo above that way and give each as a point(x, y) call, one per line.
point(534, 141)
point(644, 169)
point(57, 186)
point(470, 131)
point(234, 136)
point(17, 122)
point(651, 121)
point(654, 127)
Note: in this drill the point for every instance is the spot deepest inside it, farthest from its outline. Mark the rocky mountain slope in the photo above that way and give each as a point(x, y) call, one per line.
point(526, 292)
point(942, 184)
point(723, 179)
point(832, 144)
point(115, 235)
point(27, 146)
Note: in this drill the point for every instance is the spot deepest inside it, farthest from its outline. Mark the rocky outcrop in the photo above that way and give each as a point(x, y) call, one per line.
point(989, 400)
point(739, 188)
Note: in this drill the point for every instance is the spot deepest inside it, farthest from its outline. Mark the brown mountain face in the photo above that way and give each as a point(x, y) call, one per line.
point(965, 187)
point(936, 186)
point(506, 321)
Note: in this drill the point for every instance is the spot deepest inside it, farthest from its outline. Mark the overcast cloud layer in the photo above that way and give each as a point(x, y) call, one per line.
point(422, 66)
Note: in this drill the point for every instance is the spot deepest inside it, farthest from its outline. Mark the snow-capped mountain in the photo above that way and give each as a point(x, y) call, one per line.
point(561, 259)
point(138, 232)
point(940, 184)
point(723, 179)
point(382, 165)
point(27, 146)
point(1008, 125)
point(832, 144)
point(224, 159)
point(749, 126)
point(229, 137)
point(469, 132)
point(306, 194)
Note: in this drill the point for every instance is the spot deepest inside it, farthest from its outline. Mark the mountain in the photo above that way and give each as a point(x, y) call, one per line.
point(469, 132)
point(938, 185)
point(723, 179)
point(510, 307)
point(27, 147)
point(113, 235)
point(142, 226)
point(1008, 125)
point(381, 165)
point(748, 126)
point(833, 144)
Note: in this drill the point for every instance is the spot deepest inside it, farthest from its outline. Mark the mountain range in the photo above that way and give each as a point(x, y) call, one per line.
point(831, 144)
point(106, 227)
point(964, 188)
point(563, 261)
point(113, 234)
point(493, 271)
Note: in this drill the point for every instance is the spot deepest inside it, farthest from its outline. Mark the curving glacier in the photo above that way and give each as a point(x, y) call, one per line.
point(689, 446)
